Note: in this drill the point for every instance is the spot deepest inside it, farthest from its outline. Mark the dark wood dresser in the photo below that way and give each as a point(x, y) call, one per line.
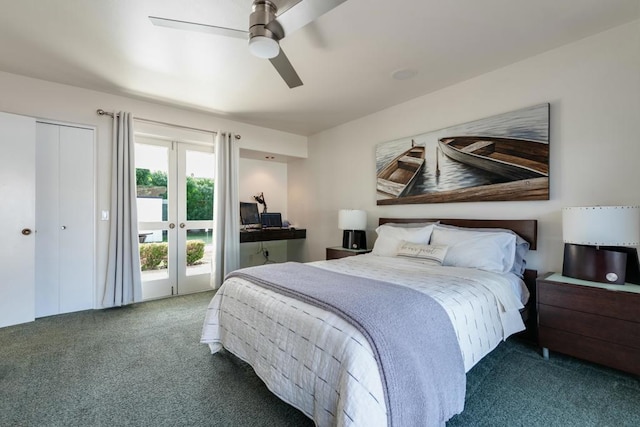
point(592, 321)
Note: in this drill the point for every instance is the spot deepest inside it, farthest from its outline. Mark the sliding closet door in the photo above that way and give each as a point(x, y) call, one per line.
point(64, 219)
point(47, 220)
point(76, 210)
point(17, 218)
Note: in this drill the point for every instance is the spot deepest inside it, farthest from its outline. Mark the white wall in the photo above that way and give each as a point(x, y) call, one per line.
point(262, 176)
point(52, 101)
point(270, 178)
point(593, 87)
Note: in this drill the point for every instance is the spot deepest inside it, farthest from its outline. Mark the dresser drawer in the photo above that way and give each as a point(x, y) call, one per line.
point(591, 349)
point(620, 305)
point(607, 329)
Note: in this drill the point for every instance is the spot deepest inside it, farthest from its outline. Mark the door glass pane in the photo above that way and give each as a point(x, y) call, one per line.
point(154, 254)
point(199, 251)
point(152, 165)
point(199, 196)
point(199, 181)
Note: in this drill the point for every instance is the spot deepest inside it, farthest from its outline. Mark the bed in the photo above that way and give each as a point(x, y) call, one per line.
point(311, 357)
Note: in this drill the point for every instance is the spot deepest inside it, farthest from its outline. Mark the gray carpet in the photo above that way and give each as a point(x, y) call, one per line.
point(143, 366)
point(515, 386)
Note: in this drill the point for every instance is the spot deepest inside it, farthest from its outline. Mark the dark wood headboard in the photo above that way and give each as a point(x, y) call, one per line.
point(526, 228)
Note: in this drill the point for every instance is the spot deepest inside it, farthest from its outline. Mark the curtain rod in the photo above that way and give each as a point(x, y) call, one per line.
point(101, 112)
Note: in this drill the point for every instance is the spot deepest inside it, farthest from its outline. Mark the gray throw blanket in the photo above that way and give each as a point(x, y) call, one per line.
point(410, 333)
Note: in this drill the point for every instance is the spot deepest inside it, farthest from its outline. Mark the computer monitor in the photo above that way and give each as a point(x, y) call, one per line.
point(249, 215)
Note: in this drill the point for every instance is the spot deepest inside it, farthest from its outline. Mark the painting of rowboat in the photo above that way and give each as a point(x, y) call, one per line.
point(504, 157)
point(398, 176)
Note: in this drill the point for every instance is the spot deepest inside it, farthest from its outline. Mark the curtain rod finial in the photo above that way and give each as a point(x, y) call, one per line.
point(101, 112)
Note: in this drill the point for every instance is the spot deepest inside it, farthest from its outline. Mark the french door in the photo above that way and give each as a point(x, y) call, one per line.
point(175, 211)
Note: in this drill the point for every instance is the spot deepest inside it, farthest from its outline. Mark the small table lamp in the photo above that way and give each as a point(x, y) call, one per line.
point(597, 241)
point(353, 222)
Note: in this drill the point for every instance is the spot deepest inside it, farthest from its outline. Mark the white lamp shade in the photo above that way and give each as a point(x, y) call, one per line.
point(352, 219)
point(601, 225)
point(264, 47)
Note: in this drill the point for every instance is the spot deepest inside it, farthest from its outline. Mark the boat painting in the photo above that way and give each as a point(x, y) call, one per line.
point(398, 176)
point(499, 158)
point(513, 159)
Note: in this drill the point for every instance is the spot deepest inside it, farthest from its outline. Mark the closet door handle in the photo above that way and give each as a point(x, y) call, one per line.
point(172, 226)
point(26, 231)
point(64, 227)
point(182, 225)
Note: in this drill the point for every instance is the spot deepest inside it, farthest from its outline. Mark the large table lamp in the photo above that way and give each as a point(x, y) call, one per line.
point(353, 222)
point(599, 243)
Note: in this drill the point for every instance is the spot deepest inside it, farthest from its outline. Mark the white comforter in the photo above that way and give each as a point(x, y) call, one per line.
point(322, 365)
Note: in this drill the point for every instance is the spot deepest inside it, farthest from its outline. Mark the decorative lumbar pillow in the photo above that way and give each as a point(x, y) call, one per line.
point(390, 238)
point(491, 251)
point(432, 253)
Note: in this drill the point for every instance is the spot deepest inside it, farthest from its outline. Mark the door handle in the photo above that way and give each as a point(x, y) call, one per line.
point(182, 225)
point(172, 226)
point(64, 227)
point(26, 231)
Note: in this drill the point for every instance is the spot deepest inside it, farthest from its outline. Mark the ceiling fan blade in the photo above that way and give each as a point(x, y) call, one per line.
point(304, 12)
point(194, 26)
point(285, 69)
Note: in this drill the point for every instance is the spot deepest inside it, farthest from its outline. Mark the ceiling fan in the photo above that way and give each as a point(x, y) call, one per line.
point(266, 28)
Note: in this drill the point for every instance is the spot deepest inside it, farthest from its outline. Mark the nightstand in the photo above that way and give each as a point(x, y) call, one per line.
point(594, 321)
point(340, 252)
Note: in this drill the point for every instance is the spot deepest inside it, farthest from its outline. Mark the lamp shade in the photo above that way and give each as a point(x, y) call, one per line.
point(264, 47)
point(352, 219)
point(601, 225)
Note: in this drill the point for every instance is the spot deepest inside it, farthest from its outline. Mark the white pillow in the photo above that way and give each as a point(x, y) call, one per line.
point(433, 253)
point(522, 246)
point(390, 238)
point(477, 249)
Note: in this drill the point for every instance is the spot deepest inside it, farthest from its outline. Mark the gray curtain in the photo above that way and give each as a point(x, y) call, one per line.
point(226, 209)
point(123, 283)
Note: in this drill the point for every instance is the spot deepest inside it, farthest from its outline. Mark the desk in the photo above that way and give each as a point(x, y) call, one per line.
point(272, 234)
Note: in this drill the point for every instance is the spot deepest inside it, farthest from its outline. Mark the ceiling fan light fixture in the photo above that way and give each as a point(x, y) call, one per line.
point(266, 29)
point(264, 47)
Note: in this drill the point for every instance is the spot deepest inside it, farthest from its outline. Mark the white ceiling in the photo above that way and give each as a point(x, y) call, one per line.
point(345, 58)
